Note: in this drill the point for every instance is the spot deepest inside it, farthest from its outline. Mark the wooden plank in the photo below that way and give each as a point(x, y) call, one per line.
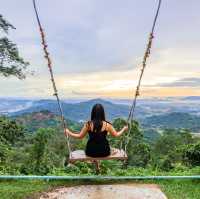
point(79, 155)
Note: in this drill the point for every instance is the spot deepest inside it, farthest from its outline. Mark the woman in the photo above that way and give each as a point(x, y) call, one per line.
point(97, 128)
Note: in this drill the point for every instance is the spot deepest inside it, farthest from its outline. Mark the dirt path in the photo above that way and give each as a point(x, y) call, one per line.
point(121, 191)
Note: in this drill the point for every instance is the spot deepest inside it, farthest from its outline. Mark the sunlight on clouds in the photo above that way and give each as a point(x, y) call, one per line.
point(97, 51)
point(117, 85)
point(173, 63)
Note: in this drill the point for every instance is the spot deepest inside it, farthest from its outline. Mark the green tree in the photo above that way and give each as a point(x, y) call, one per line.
point(138, 151)
point(10, 131)
point(186, 137)
point(167, 142)
point(132, 137)
point(191, 155)
point(11, 63)
point(47, 150)
point(40, 142)
point(4, 149)
point(118, 125)
point(139, 154)
point(12, 136)
point(168, 149)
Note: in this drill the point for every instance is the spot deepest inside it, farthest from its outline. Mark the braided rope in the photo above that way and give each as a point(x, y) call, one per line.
point(49, 64)
point(144, 61)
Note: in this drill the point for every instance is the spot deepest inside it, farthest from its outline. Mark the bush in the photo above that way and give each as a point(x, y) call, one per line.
point(140, 155)
point(166, 164)
point(191, 154)
point(10, 131)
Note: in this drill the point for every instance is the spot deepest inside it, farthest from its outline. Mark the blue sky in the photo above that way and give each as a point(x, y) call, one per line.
point(97, 47)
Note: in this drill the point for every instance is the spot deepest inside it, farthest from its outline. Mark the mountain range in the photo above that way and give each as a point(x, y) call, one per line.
point(154, 114)
point(77, 112)
point(151, 112)
point(173, 120)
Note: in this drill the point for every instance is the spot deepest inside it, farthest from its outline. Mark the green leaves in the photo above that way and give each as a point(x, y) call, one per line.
point(10, 131)
point(191, 154)
point(138, 151)
point(5, 25)
point(11, 64)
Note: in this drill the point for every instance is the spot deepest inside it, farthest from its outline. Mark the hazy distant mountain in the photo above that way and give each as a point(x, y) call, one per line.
point(173, 120)
point(153, 113)
point(8, 105)
point(79, 111)
point(192, 98)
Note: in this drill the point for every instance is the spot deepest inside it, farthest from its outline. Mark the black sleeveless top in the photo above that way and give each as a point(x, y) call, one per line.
point(97, 145)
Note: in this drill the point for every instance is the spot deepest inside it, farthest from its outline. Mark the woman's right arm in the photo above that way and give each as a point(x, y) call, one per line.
point(78, 135)
point(115, 133)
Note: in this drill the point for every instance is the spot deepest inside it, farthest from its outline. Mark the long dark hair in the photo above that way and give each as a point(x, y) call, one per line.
point(97, 117)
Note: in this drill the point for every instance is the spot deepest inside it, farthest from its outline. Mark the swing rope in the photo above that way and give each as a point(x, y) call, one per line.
point(49, 64)
point(144, 63)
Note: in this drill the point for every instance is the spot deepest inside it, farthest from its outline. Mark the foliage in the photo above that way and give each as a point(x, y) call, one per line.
point(10, 131)
point(167, 149)
point(150, 135)
point(165, 163)
point(5, 25)
point(118, 125)
point(191, 154)
point(11, 64)
point(170, 140)
point(44, 119)
point(140, 155)
point(44, 151)
point(4, 150)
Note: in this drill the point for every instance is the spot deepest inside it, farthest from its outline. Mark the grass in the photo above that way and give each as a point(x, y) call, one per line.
point(174, 189)
point(21, 189)
point(181, 189)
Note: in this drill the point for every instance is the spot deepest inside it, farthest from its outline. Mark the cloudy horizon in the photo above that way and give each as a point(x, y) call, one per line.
point(97, 48)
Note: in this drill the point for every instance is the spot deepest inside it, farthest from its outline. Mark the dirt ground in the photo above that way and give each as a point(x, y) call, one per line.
point(121, 191)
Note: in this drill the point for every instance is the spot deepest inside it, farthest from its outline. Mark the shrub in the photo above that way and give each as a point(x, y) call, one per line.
point(140, 155)
point(191, 154)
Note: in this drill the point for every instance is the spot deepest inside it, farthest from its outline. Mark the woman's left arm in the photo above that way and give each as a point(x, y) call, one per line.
point(79, 135)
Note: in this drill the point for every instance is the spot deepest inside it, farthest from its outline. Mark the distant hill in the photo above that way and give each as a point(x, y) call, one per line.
point(195, 98)
point(9, 106)
point(78, 111)
point(174, 120)
point(43, 119)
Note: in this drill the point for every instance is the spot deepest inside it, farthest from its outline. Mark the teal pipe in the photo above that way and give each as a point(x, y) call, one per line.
point(10, 177)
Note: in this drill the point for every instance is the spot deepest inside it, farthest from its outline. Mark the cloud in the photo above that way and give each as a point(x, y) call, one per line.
point(86, 37)
point(97, 46)
point(86, 94)
point(184, 82)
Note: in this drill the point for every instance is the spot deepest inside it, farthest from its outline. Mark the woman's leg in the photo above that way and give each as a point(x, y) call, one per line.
point(97, 166)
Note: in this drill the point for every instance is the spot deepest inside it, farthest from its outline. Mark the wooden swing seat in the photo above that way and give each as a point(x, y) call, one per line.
point(79, 155)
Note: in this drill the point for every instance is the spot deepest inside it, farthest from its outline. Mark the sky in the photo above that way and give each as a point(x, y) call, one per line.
point(97, 47)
